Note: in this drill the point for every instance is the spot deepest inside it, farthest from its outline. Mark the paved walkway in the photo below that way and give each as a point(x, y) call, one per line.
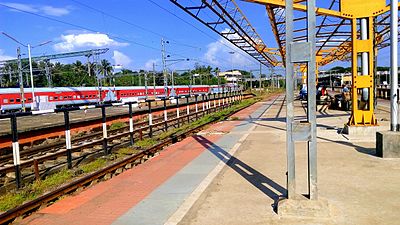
point(360, 188)
point(234, 173)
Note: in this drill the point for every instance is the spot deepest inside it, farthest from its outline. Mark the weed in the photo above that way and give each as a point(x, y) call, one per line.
point(93, 166)
point(14, 199)
point(117, 125)
point(127, 151)
point(145, 143)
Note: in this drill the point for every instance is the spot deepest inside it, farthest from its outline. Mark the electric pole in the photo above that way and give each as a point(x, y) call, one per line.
point(163, 56)
point(9, 75)
point(154, 80)
point(145, 84)
point(21, 80)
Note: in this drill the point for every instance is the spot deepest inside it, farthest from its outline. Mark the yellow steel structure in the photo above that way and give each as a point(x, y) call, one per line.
point(338, 35)
point(342, 42)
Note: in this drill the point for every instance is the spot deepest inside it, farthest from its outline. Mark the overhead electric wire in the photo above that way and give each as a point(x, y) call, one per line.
point(78, 26)
point(112, 36)
point(133, 24)
point(240, 52)
point(171, 41)
point(89, 29)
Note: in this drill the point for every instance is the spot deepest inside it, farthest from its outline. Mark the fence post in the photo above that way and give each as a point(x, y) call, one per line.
point(202, 97)
point(15, 147)
point(131, 137)
point(165, 114)
point(68, 139)
point(177, 110)
point(187, 108)
point(150, 120)
point(197, 108)
point(219, 101)
point(103, 120)
point(214, 101)
point(223, 100)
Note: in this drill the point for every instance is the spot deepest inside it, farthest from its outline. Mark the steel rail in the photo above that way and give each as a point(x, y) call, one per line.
point(9, 216)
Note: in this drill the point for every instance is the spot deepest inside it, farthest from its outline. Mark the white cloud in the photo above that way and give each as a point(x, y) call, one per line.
point(121, 59)
point(53, 11)
point(219, 54)
point(5, 57)
point(149, 64)
point(23, 7)
point(72, 42)
point(42, 9)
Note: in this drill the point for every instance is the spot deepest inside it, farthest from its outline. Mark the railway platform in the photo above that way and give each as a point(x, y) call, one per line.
point(234, 172)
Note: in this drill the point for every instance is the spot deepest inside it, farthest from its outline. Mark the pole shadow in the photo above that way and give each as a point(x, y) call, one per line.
point(267, 186)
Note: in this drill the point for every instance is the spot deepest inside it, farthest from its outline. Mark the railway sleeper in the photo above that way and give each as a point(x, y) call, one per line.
point(78, 154)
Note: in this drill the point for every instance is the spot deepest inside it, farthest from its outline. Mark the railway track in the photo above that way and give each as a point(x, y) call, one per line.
point(114, 168)
point(30, 136)
point(39, 161)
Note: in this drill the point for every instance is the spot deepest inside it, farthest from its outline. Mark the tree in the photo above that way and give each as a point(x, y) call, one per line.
point(106, 69)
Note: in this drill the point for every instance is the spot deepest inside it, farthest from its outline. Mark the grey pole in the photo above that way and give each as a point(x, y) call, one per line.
point(163, 56)
point(145, 85)
point(154, 80)
point(21, 80)
point(394, 107)
point(34, 104)
point(291, 181)
point(312, 105)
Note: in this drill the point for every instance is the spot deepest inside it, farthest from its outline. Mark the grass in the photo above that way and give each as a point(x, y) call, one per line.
point(14, 199)
point(145, 143)
point(117, 125)
point(93, 166)
point(126, 151)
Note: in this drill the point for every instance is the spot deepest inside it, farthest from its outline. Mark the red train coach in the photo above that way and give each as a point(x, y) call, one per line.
point(10, 98)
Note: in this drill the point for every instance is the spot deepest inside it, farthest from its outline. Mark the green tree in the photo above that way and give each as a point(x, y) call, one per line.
point(106, 69)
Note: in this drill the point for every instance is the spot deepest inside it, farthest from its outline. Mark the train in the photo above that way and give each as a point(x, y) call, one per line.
point(56, 97)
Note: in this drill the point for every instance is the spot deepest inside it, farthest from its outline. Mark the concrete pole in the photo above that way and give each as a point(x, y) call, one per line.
point(291, 181)
point(145, 85)
point(31, 72)
point(154, 80)
point(21, 80)
point(394, 107)
point(163, 56)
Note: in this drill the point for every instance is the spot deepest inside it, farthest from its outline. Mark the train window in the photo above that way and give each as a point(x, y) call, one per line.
point(5, 100)
point(55, 98)
point(30, 99)
point(61, 97)
point(74, 96)
point(18, 100)
point(78, 96)
point(11, 100)
point(51, 98)
point(86, 96)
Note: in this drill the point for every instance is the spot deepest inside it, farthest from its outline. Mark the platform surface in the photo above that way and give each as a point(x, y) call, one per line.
point(234, 173)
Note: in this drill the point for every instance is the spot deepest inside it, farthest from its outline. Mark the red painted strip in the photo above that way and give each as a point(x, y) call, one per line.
point(107, 201)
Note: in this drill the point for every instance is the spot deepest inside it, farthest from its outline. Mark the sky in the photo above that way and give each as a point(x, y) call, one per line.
point(131, 30)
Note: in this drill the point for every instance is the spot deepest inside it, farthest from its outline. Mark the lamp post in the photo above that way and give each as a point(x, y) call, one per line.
point(30, 64)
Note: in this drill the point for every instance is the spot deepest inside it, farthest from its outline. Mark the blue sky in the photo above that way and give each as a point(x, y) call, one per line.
point(135, 45)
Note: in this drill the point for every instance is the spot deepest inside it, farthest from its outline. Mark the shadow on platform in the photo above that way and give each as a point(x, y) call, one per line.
point(257, 179)
point(368, 151)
